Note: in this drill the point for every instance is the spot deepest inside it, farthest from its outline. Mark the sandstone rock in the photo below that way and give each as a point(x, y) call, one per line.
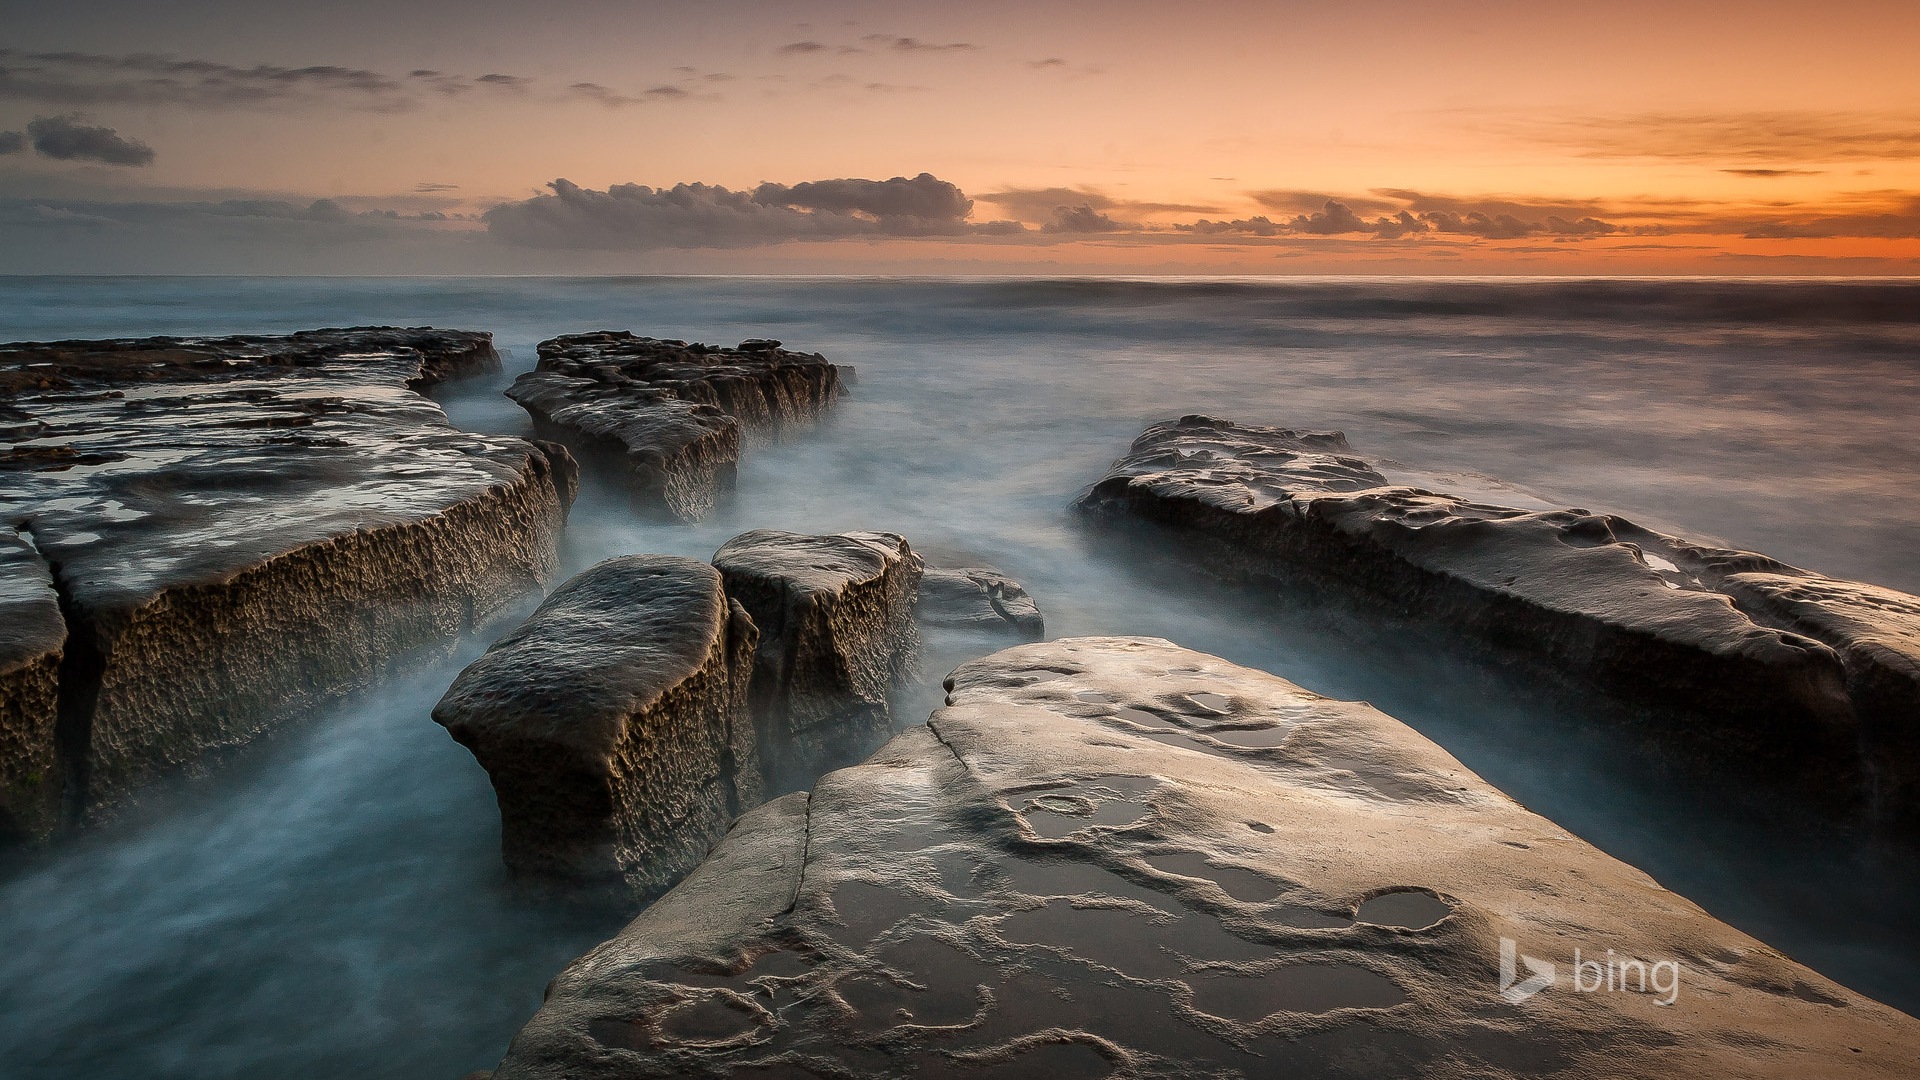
point(614, 724)
point(978, 598)
point(667, 417)
point(241, 528)
point(31, 636)
point(1115, 857)
point(1803, 676)
point(837, 634)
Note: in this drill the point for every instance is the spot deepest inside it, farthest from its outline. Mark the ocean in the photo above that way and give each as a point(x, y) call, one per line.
point(331, 902)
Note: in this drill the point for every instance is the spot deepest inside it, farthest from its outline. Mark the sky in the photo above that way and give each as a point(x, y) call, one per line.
point(752, 136)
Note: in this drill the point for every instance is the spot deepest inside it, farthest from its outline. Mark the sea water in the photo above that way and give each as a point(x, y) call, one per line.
point(332, 903)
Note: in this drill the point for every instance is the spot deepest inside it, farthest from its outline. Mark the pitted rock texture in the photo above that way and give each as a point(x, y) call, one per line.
point(837, 633)
point(242, 528)
point(31, 636)
point(614, 724)
point(1116, 857)
point(978, 598)
point(1804, 676)
point(667, 417)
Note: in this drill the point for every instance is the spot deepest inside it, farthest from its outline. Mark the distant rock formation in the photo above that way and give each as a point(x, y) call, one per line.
point(978, 598)
point(241, 528)
point(666, 417)
point(837, 633)
point(31, 636)
point(1804, 676)
point(1113, 856)
point(614, 724)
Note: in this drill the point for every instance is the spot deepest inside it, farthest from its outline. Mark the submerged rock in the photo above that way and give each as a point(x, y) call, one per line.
point(1113, 856)
point(241, 528)
point(31, 636)
point(614, 724)
point(1800, 674)
point(837, 633)
point(667, 417)
point(978, 598)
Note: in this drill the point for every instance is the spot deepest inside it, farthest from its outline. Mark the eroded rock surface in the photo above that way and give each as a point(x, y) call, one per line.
point(1115, 857)
point(978, 598)
point(667, 417)
point(240, 528)
point(1801, 674)
point(837, 633)
point(31, 636)
point(614, 724)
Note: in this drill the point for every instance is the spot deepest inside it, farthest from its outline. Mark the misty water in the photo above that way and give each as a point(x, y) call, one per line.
point(331, 903)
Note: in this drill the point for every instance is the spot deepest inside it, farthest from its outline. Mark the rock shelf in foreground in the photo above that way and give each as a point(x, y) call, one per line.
point(1802, 675)
point(1116, 857)
point(240, 528)
point(614, 724)
point(668, 417)
point(837, 633)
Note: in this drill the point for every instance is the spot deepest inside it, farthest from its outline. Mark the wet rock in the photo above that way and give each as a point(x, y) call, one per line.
point(1803, 676)
point(614, 724)
point(31, 636)
point(241, 528)
point(905, 918)
point(835, 614)
point(666, 417)
point(978, 598)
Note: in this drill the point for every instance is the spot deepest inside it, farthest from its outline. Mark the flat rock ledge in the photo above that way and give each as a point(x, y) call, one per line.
point(238, 529)
point(614, 724)
point(837, 634)
point(666, 417)
point(978, 598)
point(1806, 677)
point(1112, 857)
point(31, 637)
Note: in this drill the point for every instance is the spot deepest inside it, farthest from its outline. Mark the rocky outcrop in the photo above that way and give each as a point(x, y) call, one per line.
point(667, 417)
point(837, 634)
point(31, 636)
point(1115, 857)
point(978, 598)
point(1803, 676)
point(241, 528)
point(614, 724)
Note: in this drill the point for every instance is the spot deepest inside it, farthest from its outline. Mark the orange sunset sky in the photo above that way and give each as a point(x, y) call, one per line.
point(1436, 138)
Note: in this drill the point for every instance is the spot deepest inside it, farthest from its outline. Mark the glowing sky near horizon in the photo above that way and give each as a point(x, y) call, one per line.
point(1452, 137)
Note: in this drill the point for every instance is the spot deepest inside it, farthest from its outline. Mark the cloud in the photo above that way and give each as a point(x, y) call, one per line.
point(908, 44)
point(12, 142)
point(613, 99)
point(66, 138)
point(1767, 138)
point(89, 79)
point(1769, 174)
point(431, 188)
point(1081, 219)
point(635, 217)
point(1041, 204)
point(1890, 216)
point(1291, 201)
point(1403, 213)
point(800, 48)
point(75, 78)
point(1059, 65)
point(201, 214)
